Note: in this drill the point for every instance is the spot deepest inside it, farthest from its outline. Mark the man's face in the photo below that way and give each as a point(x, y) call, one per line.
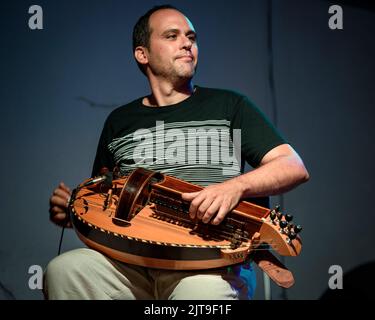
point(173, 52)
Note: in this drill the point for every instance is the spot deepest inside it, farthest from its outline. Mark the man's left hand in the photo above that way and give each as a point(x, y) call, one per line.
point(216, 199)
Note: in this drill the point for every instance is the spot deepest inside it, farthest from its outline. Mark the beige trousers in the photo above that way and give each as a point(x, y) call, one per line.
point(87, 274)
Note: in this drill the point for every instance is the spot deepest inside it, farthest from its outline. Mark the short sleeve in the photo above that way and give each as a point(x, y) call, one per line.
point(258, 135)
point(103, 157)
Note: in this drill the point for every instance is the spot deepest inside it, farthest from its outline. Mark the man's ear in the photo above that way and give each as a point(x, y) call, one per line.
point(140, 54)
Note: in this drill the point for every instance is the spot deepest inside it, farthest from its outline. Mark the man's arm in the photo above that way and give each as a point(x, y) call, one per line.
point(280, 170)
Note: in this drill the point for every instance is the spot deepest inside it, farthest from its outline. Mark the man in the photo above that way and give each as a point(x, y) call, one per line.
point(163, 131)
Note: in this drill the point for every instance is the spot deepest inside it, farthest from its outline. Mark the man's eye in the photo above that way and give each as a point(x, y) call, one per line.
point(171, 36)
point(192, 39)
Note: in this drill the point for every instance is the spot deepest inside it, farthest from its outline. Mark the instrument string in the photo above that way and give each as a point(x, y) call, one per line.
point(216, 230)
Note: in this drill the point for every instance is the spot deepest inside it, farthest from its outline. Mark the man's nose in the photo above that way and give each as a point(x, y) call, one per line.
point(187, 43)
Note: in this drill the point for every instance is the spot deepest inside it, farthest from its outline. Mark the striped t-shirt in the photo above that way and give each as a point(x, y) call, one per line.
point(204, 139)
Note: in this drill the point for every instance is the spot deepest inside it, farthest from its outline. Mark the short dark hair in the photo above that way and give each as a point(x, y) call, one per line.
point(142, 31)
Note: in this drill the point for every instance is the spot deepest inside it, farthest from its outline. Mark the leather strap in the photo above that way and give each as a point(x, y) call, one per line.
point(280, 274)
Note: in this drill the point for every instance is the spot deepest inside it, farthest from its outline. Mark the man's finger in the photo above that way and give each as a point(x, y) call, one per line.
point(62, 220)
point(59, 201)
point(64, 187)
point(59, 218)
point(224, 209)
point(211, 211)
point(203, 207)
point(189, 195)
point(194, 205)
point(61, 193)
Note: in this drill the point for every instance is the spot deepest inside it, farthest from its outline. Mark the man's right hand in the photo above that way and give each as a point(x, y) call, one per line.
point(58, 205)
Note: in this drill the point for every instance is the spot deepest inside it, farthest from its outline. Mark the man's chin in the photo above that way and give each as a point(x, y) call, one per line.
point(187, 74)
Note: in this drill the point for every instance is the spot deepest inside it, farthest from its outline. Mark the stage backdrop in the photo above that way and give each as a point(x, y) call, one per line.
point(59, 83)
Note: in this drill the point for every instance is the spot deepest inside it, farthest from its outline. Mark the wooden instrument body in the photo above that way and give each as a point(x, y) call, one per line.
point(143, 220)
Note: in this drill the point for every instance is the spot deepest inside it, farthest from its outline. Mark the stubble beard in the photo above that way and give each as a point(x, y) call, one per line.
point(182, 73)
point(176, 73)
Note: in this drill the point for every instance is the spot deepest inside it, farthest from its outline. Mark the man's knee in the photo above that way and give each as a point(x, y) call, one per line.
point(67, 262)
point(206, 287)
point(63, 269)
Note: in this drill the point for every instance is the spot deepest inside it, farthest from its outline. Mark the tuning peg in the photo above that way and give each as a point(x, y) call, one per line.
point(297, 228)
point(279, 215)
point(283, 224)
point(288, 217)
point(277, 208)
point(292, 235)
point(272, 215)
